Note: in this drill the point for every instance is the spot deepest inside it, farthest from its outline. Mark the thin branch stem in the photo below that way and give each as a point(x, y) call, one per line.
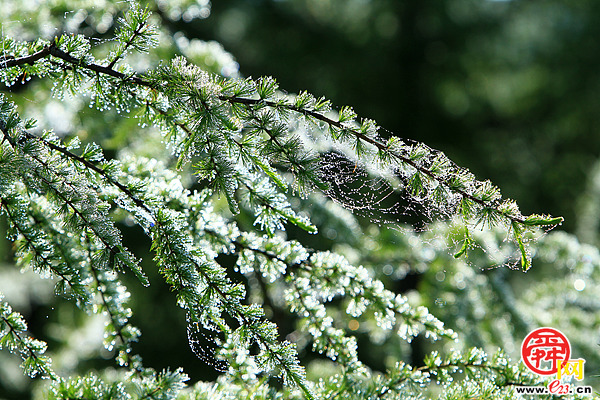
point(136, 33)
point(117, 325)
point(58, 53)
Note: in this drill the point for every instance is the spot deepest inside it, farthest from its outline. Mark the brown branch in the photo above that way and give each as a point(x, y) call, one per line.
point(9, 62)
point(58, 53)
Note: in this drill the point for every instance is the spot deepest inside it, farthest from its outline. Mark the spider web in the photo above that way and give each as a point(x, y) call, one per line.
point(204, 343)
point(380, 199)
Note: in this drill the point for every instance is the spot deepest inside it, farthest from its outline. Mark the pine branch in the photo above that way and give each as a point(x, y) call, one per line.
point(119, 323)
point(53, 50)
point(102, 285)
point(232, 308)
point(306, 304)
point(136, 200)
point(128, 44)
point(31, 350)
point(480, 202)
point(28, 349)
point(114, 249)
point(310, 268)
point(9, 61)
point(452, 367)
point(378, 144)
point(206, 112)
point(30, 241)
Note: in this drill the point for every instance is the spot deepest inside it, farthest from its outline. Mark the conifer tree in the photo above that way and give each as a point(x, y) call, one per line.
point(214, 167)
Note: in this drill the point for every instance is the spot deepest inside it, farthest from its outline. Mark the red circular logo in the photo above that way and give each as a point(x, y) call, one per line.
point(543, 349)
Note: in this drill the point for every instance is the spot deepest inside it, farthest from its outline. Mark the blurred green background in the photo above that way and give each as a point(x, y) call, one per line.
point(508, 89)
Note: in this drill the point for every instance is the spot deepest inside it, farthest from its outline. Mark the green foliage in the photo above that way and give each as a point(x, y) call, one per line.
point(14, 338)
point(221, 192)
